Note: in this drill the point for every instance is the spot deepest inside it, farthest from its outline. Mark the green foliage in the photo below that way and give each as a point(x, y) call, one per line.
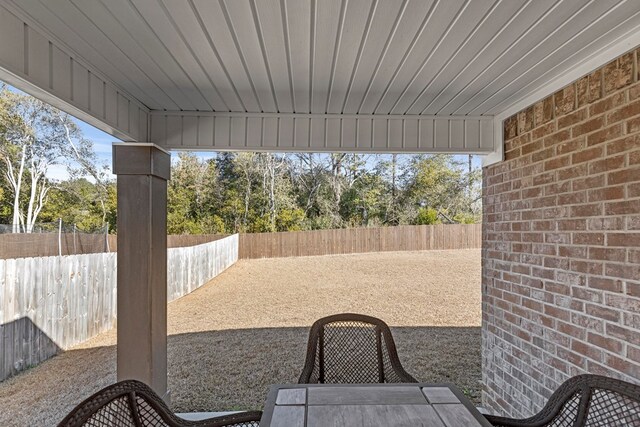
point(427, 216)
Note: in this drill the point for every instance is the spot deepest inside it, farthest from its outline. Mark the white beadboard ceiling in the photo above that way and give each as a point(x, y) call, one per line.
point(400, 57)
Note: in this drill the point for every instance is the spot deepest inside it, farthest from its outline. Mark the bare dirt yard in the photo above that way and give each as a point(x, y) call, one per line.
point(247, 329)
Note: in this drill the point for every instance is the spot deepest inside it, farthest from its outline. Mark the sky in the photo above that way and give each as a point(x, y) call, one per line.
point(102, 143)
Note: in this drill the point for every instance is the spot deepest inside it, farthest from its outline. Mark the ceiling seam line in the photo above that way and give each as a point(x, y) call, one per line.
point(168, 51)
point(175, 27)
point(363, 41)
point(584, 48)
point(530, 50)
point(405, 56)
point(204, 30)
point(394, 28)
point(336, 50)
point(195, 57)
point(432, 52)
point(234, 37)
point(580, 32)
point(522, 36)
point(286, 36)
point(451, 57)
point(312, 51)
point(258, 26)
point(127, 56)
point(477, 55)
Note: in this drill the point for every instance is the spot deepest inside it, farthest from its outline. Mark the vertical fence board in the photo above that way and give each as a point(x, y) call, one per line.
point(360, 240)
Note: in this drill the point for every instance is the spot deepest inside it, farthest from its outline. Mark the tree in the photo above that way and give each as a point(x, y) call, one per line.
point(33, 137)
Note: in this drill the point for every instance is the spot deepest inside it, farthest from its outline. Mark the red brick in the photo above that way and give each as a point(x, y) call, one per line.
point(557, 313)
point(634, 158)
point(602, 312)
point(606, 165)
point(588, 239)
point(624, 176)
point(573, 118)
point(622, 113)
point(587, 155)
point(595, 85)
point(606, 223)
point(571, 145)
point(633, 125)
point(605, 284)
point(623, 239)
point(633, 190)
point(623, 144)
point(525, 120)
point(608, 344)
point(623, 271)
point(565, 100)
point(586, 350)
point(543, 111)
point(629, 335)
point(607, 193)
point(607, 254)
point(594, 209)
point(633, 223)
point(589, 126)
point(607, 134)
point(572, 251)
point(619, 73)
point(607, 104)
point(587, 267)
point(544, 130)
point(588, 183)
point(556, 163)
point(626, 207)
point(582, 91)
point(511, 127)
point(572, 224)
point(573, 172)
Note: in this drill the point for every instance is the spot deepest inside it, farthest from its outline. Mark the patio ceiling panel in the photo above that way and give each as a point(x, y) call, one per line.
point(333, 56)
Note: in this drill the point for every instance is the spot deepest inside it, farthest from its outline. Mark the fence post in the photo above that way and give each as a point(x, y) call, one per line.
point(59, 236)
point(75, 251)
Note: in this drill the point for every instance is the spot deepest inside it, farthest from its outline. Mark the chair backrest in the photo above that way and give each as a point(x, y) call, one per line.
point(350, 349)
point(133, 403)
point(592, 400)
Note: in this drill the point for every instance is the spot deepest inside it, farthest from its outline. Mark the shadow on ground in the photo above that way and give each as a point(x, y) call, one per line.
point(228, 370)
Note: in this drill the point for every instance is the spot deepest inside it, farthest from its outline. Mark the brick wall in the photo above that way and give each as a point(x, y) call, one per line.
point(561, 242)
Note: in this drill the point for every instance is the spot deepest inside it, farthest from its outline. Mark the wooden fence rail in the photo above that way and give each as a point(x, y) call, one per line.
point(357, 240)
point(52, 303)
point(28, 245)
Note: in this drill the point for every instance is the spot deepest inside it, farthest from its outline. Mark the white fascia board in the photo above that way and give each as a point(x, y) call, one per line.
point(281, 132)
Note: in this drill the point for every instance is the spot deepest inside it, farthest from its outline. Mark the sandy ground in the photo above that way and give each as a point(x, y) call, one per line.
point(247, 329)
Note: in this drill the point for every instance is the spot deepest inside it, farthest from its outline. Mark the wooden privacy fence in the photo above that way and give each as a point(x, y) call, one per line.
point(357, 240)
point(53, 303)
point(26, 245)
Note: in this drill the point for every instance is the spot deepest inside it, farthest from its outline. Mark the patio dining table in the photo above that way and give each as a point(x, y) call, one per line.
point(388, 405)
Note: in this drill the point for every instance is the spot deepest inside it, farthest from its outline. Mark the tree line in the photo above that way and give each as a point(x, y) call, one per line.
point(230, 192)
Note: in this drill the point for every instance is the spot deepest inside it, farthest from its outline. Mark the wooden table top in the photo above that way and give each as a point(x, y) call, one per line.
point(388, 405)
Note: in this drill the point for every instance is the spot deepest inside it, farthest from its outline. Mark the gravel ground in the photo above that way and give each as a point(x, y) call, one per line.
point(247, 329)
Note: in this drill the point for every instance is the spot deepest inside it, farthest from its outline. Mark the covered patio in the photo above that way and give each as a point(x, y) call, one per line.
point(547, 91)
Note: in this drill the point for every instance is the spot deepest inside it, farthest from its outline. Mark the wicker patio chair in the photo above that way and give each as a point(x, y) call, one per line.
point(351, 349)
point(133, 403)
point(585, 400)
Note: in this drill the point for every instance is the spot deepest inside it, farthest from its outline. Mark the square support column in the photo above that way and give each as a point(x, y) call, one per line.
point(143, 171)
